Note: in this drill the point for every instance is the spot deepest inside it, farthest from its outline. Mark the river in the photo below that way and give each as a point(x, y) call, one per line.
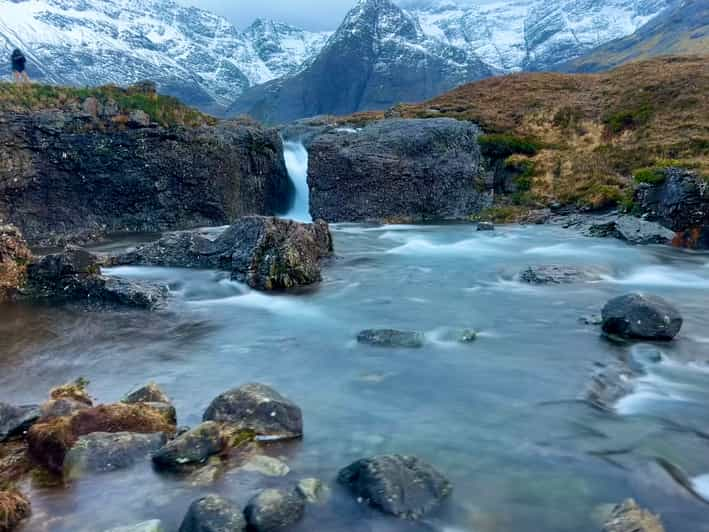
point(500, 416)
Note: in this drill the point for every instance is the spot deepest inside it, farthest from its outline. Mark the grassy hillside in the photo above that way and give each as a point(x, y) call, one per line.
point(164, 110)
point(580, 138)
point(681, 30)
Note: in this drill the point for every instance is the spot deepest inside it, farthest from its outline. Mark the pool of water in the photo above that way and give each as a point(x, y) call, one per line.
point(500, 417)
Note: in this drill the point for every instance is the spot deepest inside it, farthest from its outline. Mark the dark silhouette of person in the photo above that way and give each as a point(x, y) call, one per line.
point(18, 66)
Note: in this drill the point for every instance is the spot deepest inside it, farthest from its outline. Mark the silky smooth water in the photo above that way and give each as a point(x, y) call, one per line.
point(500, 417)
point(296, 158)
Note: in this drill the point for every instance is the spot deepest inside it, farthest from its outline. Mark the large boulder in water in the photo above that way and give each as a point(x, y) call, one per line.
point(403, 486)
point(14, 258)
point(398, 170)
point(633, 230)
point(100, 452)
point(213, 514)
point(68, 177)
point(629, 517)
point(274, 509)
point(16, 420)
point(641, 316)
point(192, 447)
point(266, 253)
point(258, 409)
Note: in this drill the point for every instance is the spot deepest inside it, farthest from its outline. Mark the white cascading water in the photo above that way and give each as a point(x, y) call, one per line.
point(296, 157)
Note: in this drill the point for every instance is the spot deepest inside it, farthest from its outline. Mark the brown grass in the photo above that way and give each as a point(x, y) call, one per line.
point(596, 129)
point(75, 391)
point(13, 509)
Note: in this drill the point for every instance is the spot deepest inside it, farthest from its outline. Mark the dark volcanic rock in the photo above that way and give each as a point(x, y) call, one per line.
point(681, 203)
point(643, 317)
point(403, 486)
point(629, 517)
point(192, 447)
point(74, 177)
point(16, 420)
point(102, 452)
point(398, 170)
point(558, 274)
point(14, 257)
point(274, 509)
point(259, 409)
point(391, 338)
point(75, 275)
point(213, 514)
point(266, 253)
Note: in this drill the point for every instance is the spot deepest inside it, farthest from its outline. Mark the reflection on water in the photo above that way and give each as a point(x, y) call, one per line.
point(499, 416)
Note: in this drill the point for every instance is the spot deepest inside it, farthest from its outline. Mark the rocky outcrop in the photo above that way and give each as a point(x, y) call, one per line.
point(391, 338)
point(258, 409)
point(213, 513)
point(680, 202)
point(75, 176)
point(403, 486)
point(629, 517)
point(633, 230)
point(274, 509)
point(398, 170)
point(266, 253)
point(192, 447)
point(641, 317)
point(14, 258)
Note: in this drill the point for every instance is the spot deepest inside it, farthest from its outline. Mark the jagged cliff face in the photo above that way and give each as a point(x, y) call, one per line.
point(378, 57)
point(192, 54)
point(73, 176)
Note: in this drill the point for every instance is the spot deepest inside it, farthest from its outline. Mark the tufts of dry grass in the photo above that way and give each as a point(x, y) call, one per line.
point(14, 507)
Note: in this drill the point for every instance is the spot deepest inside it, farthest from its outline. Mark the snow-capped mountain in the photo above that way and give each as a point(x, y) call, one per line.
point(191, 53)
point(378, 57)
point(512, 35)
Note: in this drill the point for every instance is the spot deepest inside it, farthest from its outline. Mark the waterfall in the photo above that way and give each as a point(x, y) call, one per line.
point(296, 157)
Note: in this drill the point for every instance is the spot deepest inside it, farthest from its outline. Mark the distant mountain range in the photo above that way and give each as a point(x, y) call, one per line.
point(383, 53)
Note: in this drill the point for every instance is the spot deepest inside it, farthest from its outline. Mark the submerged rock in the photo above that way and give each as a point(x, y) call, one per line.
point(14, 508)
point(313, 490)
point(213, 514)
point(609, 384)
point(155, 525)
point(101, 452)
point(16, 420)
point(558, 274)
point(402, 486)
point(265, 253)
point(193, 447)
point(486, 226)
point(642, 317)
point(274, 509)
point(391, 338)
point(629, 517)
point(266, 465)
point(258, 409)
point(14, 258)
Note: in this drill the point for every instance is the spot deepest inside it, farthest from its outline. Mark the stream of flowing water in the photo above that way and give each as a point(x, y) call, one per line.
point(500, 416)
point(296, 157)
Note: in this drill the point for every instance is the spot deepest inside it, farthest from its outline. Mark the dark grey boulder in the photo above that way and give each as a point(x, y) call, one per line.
point(558, 274)
point(403, 486)
point(274, 509)
point(190, 448)
point(213, 514)
point(391, 338)
point(641, 317)
point(259, 409)
point(16, 420)
point(486, 226)
point(633, 230)
point(150, 393)
point(100, 452)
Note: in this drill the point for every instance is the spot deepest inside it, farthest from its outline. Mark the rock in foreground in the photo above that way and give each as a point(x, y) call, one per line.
point(266, 253)
point(274, 509)
point(14, 507)
point(258, 409)
point(398, 170)
point(402, 486)
point(192, 447)
point(641, 317)
point(213, 514)
point(391, 338)
point(629, 517)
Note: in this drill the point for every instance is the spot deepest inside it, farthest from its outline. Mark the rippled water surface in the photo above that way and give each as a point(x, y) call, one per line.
point(500, 417)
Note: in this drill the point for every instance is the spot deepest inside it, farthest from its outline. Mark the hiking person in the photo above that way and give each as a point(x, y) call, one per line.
point(18, 66)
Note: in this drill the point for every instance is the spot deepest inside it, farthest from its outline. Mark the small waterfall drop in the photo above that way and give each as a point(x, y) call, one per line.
point(296, 156)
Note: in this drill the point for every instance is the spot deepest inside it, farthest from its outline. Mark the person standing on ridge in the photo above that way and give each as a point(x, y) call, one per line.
point(18, 66)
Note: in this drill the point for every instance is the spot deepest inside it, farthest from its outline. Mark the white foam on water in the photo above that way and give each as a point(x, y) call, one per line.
point(472, 247)
point(701, 486)
point(283, 305)
point(660, 276)
point(648, 389)
point(569, 250)
point(296, 157)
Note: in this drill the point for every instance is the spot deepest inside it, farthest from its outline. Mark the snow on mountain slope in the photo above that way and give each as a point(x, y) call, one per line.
point(191, 53)
point(513, 35)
